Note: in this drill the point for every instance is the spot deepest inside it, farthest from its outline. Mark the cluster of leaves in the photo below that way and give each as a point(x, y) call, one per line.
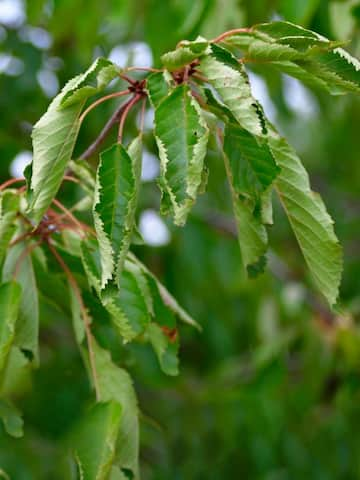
point(201, 95)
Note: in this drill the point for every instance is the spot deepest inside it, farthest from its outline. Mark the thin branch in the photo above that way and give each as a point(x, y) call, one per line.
point(105, 131)
point(101, 100)
point(127, 79)
point(224, 35)
point(124, 115)
point(67, 213)
point(86, 320)
point(11, 181)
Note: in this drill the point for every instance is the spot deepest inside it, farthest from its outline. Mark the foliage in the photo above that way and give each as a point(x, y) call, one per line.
point(74, 262)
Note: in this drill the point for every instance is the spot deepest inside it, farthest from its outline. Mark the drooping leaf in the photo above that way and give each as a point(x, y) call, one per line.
point(181, 136)
point(54, 136)
point(116, 385)
point(253, 168)
point(166, 347)
point(229, 78)
point(311, 223)
point(10, 296)
point(94, 441)
point(11, 418)
point(117, 185)
point(27, 328)
point(9, 206)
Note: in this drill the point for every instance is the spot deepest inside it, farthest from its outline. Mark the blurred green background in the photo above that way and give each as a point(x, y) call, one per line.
point(271, 389)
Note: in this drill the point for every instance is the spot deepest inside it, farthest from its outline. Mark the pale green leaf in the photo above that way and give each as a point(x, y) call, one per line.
point(10, 296)
point(9, 206)
point(312, 225)
point(27, 327)
point(181, 135)
point(117, 186)
point(15, 379)
point(95, 440)
point(54, 136)
point(115, 385)
point(11, 418)
point(186, 53)
point(96, 77)
point(229, 78)
point(158, 88)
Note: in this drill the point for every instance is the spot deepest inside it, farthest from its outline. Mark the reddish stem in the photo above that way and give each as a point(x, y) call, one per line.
point(224, 35)
point(134, 100)
point(101, 100)
point(11, 181)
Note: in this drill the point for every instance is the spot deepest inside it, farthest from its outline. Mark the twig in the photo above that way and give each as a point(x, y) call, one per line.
point(133, 101)
point(81, 226)
point(101, 100)
point(73, 283)
point(127, 79)
point(105, 131)
point(221, 37)
point(11, 181)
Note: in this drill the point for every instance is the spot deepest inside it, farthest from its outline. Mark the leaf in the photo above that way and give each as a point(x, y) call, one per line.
point(95, 440)
point(16, 376)
point(9, 206)
point(115, 385)
point(312, 225)
point(54, 137)
point(181, 135)
point(251, 170)
point(10, 296)
point(166, 296)
point(27, 327)
point(116, 193)
point(95, 79)
point(306, 55)
point(11, 418)
point(128, 305)
point(230, 80)
point(165, 348)
point(186, 53)
point(158, 87)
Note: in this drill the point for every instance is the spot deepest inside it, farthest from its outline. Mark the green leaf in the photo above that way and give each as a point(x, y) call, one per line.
point(54, 137)
point(27, 327)
point(186, 53)
point(181, 135)
point(10, 296)
point(95, 79)
point(16, 376)
point(158, 87)
point(129, 305)
point(11, 418)
point(9, 206)
point(229, 78)
point(116, 385)
point(166, 347)
point(95, 440)
point(253, 168)
point(117, 186)
point(312, 225)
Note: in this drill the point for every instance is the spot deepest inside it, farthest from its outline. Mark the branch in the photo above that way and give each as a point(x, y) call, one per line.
point(105, 131)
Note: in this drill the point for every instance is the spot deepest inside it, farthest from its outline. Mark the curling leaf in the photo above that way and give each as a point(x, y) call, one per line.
point(117, 185)
point(181, 135)
point(229, 78)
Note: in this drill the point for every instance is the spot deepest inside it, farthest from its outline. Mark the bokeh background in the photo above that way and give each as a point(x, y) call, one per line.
point(270, 390)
